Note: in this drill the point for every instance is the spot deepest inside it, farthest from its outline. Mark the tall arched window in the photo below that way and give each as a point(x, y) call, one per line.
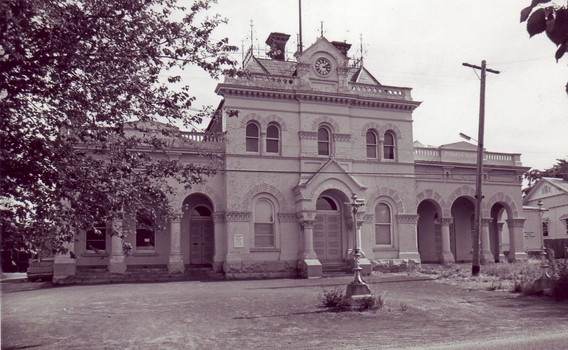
point(324, 142)
point(252, 137)
point(383, 225)
point(272, 139)
point(95, 239)
point(145, 237)
point(389, 146)
point(371, 144)
point(264, 224)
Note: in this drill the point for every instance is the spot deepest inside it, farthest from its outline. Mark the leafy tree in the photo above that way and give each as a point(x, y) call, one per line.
point(534, 175)
point(73, 75)
point(553, 20)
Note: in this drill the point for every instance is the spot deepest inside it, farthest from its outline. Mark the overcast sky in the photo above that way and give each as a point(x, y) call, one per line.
point(422, 44)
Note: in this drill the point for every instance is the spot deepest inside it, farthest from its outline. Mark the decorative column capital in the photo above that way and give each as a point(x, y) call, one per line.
point(516, 222)
point(486, 221)
point(307, 224)
point(177, 217)
point(446, 221)
point(306, 215)
point(407, 218)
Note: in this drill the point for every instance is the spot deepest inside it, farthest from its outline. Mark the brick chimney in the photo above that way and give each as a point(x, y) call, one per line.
point(277, 43)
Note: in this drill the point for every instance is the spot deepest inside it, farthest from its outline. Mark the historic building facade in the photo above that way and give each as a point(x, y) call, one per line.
point(311, 133)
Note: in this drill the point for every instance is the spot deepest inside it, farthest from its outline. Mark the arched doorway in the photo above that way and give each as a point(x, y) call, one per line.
point(327, 230)
point(499, 232)
point(429, 232)
point(201, 230)
point(461, 231)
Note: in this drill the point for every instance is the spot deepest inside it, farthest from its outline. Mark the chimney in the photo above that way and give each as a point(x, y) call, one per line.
point(277, 43)
point(341, 46)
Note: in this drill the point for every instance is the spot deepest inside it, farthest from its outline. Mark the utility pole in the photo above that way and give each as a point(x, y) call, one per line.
point(478, 178)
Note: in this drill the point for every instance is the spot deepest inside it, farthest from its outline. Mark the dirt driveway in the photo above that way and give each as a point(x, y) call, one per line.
point(273, 314)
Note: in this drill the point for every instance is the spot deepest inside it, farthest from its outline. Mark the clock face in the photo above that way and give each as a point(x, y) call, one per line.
point(322, 66)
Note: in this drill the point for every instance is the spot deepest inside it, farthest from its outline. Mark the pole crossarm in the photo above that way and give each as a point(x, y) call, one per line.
point(478, 67)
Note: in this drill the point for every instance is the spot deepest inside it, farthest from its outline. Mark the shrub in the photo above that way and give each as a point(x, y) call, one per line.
point(331, 298)
point(559, 276)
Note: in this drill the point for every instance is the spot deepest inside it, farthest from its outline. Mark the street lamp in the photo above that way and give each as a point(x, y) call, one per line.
point(543, 263)
point(358, 288)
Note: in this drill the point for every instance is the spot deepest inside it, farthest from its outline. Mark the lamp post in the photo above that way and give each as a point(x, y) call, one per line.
point(358, 288)
point(543, 263)
point(543, 282)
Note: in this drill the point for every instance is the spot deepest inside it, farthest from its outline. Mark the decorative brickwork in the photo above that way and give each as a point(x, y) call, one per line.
point(327, 120)
point(505, 200)
point(273, 118)
point(407, 218)
point(265, 188)
point(308, 135)
point(238, 216)
point(388, 192)
point(387, 127)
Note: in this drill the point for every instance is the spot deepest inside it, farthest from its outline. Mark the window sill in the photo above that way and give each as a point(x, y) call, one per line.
point(143, 253)
point(384, 248)
point(277, 250)
point(91, 254)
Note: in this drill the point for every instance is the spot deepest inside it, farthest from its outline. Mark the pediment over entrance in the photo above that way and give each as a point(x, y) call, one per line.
point(330, 175)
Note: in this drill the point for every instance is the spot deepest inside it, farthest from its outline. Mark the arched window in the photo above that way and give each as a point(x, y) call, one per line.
point(264, 224)
point(324, 142)
point(145, 237)
point(272, 139)
point(371, 145)
point(252, 137)
point(389, 146)
point(383, 225)
point(95, 239)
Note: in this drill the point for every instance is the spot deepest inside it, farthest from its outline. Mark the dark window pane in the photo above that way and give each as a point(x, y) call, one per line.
point(252, 130)
point(323, 135)
point(382, 213)
point(272, 132)
point(325, 203)
point(323, 148)
point(371, 138)
point(145, 239)
point(272, 146)
point(252, 145)
point(382, 234)
point(371, 151)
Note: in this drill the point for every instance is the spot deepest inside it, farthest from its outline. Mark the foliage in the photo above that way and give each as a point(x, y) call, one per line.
point(553, 20)
point(331, 298)
point(533, 176)
point(74, 73)
point(559, 275)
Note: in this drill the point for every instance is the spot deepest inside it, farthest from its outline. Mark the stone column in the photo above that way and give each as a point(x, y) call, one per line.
point(516, 239)
point(499, 229)
point(408, 238)
point(446, 256)
point(309, 265)
point(220, 244)
point(175, 263)
point(308, 252)
point(486, 256)
point(117, 263)
point(64, 265)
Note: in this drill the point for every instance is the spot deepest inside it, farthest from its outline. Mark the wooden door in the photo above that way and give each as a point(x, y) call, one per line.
point(327, 237)
point(201, 241)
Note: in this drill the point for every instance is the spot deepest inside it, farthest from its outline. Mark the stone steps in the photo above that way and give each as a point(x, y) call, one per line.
point(336, 269)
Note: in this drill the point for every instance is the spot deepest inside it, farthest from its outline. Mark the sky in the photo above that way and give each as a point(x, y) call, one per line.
point(422, 45)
